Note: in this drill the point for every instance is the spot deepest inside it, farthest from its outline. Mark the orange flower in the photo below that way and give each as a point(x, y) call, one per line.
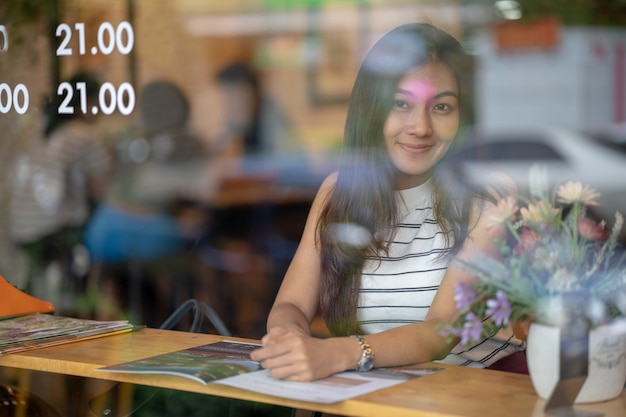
point(573, 192)
point(540, 213)
point(503, 211)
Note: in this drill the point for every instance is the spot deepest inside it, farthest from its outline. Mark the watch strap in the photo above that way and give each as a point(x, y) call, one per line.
point(367, 355)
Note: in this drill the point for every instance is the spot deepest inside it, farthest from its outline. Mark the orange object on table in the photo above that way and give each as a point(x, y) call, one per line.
point(14, 302)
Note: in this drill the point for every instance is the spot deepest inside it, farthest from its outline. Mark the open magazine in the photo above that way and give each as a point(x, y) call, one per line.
point(228, 363)
point(335, 388)
point(204, 363)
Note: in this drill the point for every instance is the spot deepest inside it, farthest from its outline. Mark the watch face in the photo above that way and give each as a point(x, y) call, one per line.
point(367, 363)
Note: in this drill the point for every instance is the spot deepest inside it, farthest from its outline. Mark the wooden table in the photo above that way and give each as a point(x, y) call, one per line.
point(457, 391)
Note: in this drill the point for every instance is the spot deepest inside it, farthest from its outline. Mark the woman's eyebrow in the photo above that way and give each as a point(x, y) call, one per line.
point(447, 94)
point(421, 94)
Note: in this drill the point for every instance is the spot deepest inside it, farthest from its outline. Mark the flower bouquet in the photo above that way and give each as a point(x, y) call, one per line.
point(554, 248)
point(554, 252)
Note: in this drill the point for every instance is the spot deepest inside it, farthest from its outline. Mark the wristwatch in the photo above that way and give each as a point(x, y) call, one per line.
point(367, 355)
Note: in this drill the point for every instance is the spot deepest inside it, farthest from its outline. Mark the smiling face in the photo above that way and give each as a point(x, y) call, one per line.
point(423, 122)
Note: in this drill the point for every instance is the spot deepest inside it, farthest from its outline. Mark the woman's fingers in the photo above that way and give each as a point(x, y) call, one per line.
point(287, 355)
point(275, 343)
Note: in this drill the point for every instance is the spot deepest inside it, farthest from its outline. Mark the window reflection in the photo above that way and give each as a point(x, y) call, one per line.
point(265, 87)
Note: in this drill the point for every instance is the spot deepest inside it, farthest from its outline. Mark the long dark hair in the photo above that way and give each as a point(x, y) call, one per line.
point(364, 191)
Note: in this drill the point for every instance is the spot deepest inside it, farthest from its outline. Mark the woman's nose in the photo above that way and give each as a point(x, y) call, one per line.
point(419, 123)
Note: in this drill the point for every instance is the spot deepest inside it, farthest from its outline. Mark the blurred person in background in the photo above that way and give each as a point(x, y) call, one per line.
point(56, 182)
point(141, 229)
point(249, 152)
point(252, 123)
point(375, 254)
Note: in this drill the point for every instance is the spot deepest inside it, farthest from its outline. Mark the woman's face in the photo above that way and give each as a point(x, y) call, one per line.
point(422, 123)
point(238, 104)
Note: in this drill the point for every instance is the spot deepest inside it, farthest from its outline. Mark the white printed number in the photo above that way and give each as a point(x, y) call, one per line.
point(109, 99)
point(13, 98)
point(4, 39)
point(110, 39)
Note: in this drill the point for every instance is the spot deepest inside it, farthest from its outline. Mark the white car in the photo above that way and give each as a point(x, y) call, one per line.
point(567, 155)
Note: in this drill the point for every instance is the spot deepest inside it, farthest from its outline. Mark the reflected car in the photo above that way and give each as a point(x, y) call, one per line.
point(567, 155)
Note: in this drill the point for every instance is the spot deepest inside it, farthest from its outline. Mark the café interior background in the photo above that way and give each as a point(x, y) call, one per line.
point(307, 53)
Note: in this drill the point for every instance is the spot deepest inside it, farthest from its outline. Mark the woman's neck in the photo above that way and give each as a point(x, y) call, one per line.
point(404, 182)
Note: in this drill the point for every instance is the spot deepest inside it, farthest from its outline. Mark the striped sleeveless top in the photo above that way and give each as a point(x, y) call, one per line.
point(398, 288)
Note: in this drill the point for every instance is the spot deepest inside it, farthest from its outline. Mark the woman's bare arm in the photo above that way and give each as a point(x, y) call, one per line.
point(300, 357)
point(297, 300)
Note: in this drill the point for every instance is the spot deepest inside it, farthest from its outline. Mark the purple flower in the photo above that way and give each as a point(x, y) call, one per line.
point(499, 309)
point(464, 295)
point(449, 330)
point(472, 329)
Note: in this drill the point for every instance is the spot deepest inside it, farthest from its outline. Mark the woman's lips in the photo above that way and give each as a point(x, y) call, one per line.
point(417, 149)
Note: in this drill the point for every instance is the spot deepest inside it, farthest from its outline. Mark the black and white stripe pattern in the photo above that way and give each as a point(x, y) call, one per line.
point(398, 288)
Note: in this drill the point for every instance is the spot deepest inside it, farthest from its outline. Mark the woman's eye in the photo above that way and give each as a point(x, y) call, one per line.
point(442, 107)
point(400, 104)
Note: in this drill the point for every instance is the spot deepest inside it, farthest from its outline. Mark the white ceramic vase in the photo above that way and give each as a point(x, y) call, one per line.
point(607, 362)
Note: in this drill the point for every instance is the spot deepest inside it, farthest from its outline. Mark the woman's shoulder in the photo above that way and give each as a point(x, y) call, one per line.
point(328, 184)
point(324, 191)
point(330, 180)
point(499, 185)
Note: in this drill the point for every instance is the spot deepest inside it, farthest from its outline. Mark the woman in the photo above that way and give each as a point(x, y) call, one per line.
point(390, 277)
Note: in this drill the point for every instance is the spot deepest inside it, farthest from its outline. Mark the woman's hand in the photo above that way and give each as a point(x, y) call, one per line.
point(294, 356)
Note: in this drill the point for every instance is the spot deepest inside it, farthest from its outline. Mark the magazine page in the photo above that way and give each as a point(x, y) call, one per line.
point(203, 363)
point(39, 330)
point(338, 387)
